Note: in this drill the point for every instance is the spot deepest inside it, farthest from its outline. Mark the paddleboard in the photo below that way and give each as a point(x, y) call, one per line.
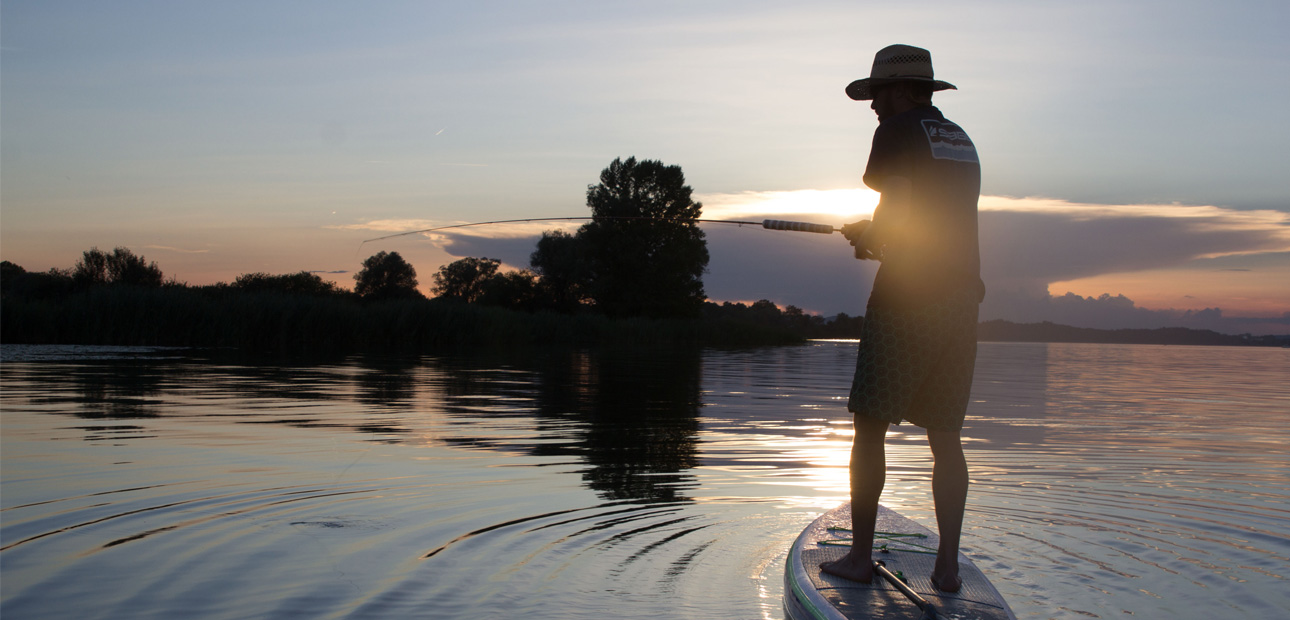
point(910, 551)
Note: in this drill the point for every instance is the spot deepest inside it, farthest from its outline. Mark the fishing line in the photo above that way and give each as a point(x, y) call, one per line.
point(766, 224)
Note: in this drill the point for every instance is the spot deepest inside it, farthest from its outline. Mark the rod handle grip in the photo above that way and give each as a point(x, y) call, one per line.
point(797, 226)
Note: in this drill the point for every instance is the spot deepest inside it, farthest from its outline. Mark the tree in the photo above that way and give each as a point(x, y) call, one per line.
point(385, 275)
point(301, 282)
point(12, 277)
point(91, 269)
point(464, 279)
point(517, 290)
point(479, 281)
point(9, 271)
point(119, 267)
point(562, 271)
point(644, 253)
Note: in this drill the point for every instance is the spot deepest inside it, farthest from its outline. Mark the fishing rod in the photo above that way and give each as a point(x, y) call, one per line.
point(928, 609)
point(766, 224)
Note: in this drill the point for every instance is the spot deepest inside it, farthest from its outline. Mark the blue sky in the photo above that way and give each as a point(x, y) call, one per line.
point(1131, 151)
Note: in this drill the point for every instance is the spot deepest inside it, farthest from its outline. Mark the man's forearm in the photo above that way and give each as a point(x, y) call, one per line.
point(890, 215)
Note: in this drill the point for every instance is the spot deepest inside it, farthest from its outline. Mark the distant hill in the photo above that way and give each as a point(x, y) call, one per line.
point(1007, 331)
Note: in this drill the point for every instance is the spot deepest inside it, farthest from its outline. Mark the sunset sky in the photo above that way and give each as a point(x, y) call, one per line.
point(1134, 154)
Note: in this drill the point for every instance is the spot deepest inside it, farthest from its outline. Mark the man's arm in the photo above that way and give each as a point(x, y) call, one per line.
point(888, 220)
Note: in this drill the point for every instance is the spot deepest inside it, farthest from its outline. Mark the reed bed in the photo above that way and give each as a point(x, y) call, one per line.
point(277, 322)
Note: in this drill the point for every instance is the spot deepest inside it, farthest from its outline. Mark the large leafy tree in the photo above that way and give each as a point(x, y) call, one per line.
point(562, 268)
point(516, 290)
point(464, 279)
point(121, 266)
point(479, 280)
point(643, 252)
point(385, 275)
point(301, 282)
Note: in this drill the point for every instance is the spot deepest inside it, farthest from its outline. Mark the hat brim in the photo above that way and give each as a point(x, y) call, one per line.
point(862, 89)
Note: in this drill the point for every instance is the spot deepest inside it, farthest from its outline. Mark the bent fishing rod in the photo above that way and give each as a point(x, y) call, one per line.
point(766, 224)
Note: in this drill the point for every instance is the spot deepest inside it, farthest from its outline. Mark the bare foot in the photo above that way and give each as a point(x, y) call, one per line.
point(850, 567)
point(947, 584)
point(945, 574)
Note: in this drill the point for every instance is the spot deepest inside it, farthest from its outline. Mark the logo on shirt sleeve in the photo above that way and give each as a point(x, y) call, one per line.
point(949, 141)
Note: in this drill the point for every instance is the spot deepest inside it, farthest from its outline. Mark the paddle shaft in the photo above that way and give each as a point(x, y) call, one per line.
point(928, 609)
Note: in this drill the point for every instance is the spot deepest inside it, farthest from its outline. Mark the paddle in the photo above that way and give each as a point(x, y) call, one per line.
point(928, 609)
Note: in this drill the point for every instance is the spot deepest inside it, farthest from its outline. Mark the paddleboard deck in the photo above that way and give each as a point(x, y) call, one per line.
point(810, 594)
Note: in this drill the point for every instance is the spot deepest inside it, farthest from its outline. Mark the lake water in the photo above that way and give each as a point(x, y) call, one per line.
point(1108, 481)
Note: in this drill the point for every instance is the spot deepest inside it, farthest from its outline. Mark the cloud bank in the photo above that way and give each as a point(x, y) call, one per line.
point(1027, 245)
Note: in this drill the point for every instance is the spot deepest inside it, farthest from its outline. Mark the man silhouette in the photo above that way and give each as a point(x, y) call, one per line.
point(918, 344)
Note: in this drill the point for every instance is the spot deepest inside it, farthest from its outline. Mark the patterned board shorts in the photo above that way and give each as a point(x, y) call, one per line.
point(917, 365)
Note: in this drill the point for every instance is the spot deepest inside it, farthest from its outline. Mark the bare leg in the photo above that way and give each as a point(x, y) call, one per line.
point(868, 475)
point(949, 490)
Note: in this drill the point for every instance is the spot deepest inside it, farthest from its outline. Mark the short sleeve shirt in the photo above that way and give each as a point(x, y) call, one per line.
point(937, 255)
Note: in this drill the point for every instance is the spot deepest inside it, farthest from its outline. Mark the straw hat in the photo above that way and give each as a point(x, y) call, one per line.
point(896, 63)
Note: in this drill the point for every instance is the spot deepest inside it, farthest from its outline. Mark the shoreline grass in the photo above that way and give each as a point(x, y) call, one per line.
point(283, 322)
point(275, 322)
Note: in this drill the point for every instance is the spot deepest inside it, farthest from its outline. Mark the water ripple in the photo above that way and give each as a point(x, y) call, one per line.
point(1107, 481)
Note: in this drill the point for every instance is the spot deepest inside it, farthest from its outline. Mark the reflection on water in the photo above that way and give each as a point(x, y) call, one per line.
point(1107, 480)
point(1142, 479)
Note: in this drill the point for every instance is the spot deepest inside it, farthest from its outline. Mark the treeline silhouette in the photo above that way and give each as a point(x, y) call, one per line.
point(1006, 331)
point(120, 299)
point(303, 313)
